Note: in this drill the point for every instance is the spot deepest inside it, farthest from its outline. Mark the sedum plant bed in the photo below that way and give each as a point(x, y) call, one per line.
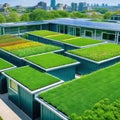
point(12, 43)
point(4, 64)
point(9, 38)
point(82, 41)
point(50, 60)
point(84, 92)
point(98, 53)
point(21, 46)
point(43, 33)
point(34, 50)
point(61, 37)
point(31, 78)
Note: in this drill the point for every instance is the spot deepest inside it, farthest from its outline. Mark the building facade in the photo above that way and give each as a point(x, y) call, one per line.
point(78, 27)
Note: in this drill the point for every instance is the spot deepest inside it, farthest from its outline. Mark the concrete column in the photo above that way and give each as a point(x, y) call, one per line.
point(117, 37)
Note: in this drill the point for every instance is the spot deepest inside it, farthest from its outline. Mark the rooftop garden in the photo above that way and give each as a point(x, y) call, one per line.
point(31, 78)
point(43, 33)
point(50, 60)
point(98, 53)
point(66, 38)
point(4, 64)
point(86, 91)
point(34, 50)
point(61, 37)
point(21, 46)
point(82, 41)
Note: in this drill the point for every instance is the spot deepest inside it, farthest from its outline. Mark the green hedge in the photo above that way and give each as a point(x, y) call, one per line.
point(103, 110)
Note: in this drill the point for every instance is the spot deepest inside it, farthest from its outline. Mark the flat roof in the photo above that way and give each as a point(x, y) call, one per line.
point(88, 24)
point(4, 64)
point(83, 22)
point(15, 24)
point(83, 93)
point(50, 60)
point(31, 78)
point(98, 53)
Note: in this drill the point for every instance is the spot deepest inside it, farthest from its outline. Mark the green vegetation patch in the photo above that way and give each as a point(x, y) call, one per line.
point(61, 37)
point(50, 60)
point(101, 110)
point(4, 64)
point(34, 50)
point(98, 53)
point(9, 38)
point(82, 41)
point(43, 33)
point(81, 94)
point(1, 118)
point(31, 78)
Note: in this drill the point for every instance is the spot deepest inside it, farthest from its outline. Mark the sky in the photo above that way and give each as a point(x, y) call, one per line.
point(34, 2)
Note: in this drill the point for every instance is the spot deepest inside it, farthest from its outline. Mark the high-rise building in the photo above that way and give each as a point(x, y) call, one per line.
point(83, 6)
point(42, 5)
point(59, 6)
point(74, 7)
point(53, 4)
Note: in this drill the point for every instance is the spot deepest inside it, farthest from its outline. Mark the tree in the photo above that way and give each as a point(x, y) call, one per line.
point(75, 14)
point(107, 15)
point(25, 17)
point(2, 19)
point(39, 14)
point(63, 13)
point(12, 17)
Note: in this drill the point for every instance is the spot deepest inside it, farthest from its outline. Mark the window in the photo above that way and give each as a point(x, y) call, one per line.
point(14, 86)
point(88, 33)
point(108, 36)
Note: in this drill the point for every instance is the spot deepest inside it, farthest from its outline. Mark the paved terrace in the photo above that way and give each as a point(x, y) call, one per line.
point(8, 111)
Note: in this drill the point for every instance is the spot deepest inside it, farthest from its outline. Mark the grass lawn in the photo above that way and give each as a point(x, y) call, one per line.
point(61, 37)
point(31, 78)
point(4, 64)
point(82, 41)
point(98, 53)
point(43, 33)
point(81, 94)
point(50, 60)
point(34, 50)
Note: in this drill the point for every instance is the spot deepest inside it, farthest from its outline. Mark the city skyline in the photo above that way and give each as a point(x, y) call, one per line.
point(34, 2)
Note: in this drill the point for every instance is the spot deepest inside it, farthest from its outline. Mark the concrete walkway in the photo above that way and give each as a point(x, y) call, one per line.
point(9, 111)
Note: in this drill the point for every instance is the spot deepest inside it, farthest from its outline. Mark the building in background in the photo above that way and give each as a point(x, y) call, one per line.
point(53, 4)
point(42, 5)
point(59, 6)
point(74, 6)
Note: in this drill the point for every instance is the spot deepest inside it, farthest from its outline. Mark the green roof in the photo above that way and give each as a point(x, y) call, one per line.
point(82, 41)
point(61, 37)
point(31, 78)
point(98, 53)
point(34, 50)
point(43, 33)
point(81, 94)
point(4, 64)
point(50, 60)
